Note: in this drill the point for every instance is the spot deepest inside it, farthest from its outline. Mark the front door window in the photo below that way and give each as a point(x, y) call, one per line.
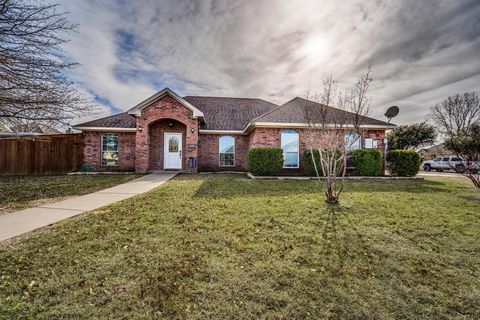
point(173, 144)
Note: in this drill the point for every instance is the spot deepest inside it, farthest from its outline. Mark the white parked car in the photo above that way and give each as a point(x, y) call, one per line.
point(449, 163)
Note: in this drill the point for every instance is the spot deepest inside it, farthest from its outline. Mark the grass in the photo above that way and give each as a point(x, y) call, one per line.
point(20, 192)
point(225, 247)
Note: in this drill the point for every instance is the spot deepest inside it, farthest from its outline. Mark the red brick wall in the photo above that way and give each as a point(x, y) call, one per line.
point(165, 108)
point(270, 137)
point(126, 152)
point(157, 130)
point(143, 150)
point(208, 153)
point(263, 137)
point(379, 135)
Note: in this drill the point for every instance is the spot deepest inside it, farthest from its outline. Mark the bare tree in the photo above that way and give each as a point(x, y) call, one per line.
point(332, 132)
point(33, 82)
point(467, 145)
point(458, 119)
point(456, 113)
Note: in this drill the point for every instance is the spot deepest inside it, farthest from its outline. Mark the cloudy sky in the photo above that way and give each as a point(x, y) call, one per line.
point(422, 51)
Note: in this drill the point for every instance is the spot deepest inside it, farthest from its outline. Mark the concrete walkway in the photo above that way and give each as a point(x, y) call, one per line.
point(17, 223)
point(440, 174)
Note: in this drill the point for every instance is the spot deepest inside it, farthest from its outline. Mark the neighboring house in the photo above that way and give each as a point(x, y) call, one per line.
point(9, 129)
point(439, 150)
point(193, 133)
point(434, 152)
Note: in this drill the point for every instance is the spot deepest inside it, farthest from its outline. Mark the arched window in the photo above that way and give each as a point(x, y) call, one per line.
point(226, 150)
point(289, 141)
point(173, 144)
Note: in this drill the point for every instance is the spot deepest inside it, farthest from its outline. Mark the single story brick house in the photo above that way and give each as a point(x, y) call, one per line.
point(197, 133)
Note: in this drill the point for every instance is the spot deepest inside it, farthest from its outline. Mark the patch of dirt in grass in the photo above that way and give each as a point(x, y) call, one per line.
point(162, 288)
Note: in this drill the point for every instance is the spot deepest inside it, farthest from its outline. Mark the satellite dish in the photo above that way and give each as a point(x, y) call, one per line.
point(392, 112)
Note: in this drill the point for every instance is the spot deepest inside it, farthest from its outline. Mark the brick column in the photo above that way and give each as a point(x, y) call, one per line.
point(142, 152)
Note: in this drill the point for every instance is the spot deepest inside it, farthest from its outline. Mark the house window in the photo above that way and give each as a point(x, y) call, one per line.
point(370, 143)
point(289, 141)
point(226, 146)
point(353, 141)
point(109, 149)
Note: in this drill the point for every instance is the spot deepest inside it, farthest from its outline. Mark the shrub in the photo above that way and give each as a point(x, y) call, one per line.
point(403, 163)
point(265, 161)
point(86, 167)
point(368, 162)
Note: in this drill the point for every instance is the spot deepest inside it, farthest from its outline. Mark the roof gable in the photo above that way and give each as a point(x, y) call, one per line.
point(302, 111)
point(157, 96)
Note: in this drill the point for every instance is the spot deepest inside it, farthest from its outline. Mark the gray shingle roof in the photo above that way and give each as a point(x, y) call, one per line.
point(235, 113)
point(229, 113)
point(299, 110)
point(120, 120)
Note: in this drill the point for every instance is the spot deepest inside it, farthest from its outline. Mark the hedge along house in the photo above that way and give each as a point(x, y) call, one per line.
point(195, 133)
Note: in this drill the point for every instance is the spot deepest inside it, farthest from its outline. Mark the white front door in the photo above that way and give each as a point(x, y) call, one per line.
point(172, 154)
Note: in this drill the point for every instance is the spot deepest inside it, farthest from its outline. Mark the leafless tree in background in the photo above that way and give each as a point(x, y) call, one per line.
point(331, 133)
point(34, 87)
point(458, 119)
point(457, 113)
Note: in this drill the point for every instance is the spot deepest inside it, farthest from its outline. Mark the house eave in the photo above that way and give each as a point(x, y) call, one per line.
point(105, 129)
point(247, 129)
point(250, 126)
point(207, 131)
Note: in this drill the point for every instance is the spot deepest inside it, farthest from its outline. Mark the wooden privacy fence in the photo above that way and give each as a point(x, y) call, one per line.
point(42, 154)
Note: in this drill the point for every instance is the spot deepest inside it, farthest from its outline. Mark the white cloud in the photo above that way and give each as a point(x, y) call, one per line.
point(422, 51)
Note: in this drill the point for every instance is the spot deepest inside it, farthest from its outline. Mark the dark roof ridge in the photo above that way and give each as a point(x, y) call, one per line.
point(224, 97)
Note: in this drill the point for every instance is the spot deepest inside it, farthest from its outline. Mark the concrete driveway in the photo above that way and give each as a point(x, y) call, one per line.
point(16, 223)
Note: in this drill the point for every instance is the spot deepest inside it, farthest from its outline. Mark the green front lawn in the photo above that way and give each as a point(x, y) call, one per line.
point(20, 192)
point(225, 247)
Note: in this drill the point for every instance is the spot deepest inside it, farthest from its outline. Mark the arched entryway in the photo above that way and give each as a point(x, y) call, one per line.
point(167, 145)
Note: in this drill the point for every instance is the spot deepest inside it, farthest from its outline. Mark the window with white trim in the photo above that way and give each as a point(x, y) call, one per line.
point(370, 143)
point(226, 150)
point(109, 149)
point(290, 144)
